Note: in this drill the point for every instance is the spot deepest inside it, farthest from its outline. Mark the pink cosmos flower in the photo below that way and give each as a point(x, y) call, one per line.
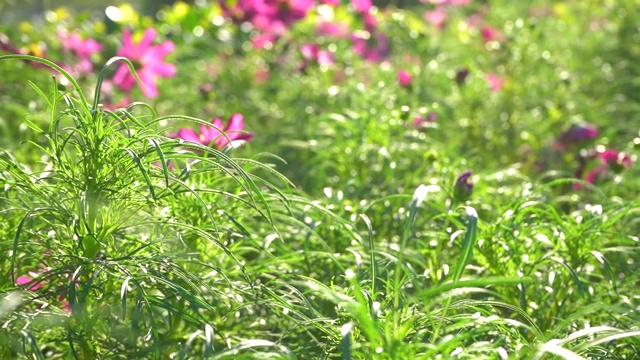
point(495, 82)
point(335, 29)
point(272, 16)
point(262, 41)
point(148, 61)
point(374, 49)
point(28, 279)
point(311, 53)
point(362, 6)
point(404, 78)
point(83, 49)
point(422, 121)
point(211, 136)
point(436, 17)
point(37, 285)
point(606, 161)
point(490, 33)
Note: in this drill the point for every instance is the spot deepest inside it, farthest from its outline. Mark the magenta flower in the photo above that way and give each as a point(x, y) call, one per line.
point(576, 134)
point(34, 286)
point(28, 279)
point(211, 136)
point(148, 61)
point(495, 82)
point(375, 48)
point(362, 6)
point(422, 121)
point(463, 187)
point(490, 33)
point(617, 161)
point(83, 48)
point(335, 29)
point(606, 161)
point(272, 16)
point(404, 78)
point(311, 53)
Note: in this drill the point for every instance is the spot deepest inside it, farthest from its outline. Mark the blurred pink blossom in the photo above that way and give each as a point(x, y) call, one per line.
point(28, 279)
point(35, 285)
point(264, 40)
point(148, 61)
point(335, 29)
point(436, 17)
point(490, 33)
point(373, 49)
point(606, 161)
point(362, 6)
point(576, 134)
point(421, 121)
point(272, 16)
point(495, 82)
point(404, 78)
point(313, 53)
point(211, 135)
point(83, 49)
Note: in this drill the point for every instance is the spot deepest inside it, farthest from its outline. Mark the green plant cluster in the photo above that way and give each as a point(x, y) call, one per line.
point(343, 229)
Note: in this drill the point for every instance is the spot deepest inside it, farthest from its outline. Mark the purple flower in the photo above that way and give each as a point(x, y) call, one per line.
point(576, 134)
point(148, 61)
point(463, 187)
point(371, 47)
point(404, 78)
point(211, 136)
point(461, 75)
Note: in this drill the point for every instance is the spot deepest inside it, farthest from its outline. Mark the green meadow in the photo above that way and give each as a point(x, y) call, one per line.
point(252, 179)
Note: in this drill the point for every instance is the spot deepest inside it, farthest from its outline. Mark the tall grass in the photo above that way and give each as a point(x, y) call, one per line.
point(342, 231)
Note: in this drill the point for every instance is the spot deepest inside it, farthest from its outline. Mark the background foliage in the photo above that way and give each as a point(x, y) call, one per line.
point(343, 228)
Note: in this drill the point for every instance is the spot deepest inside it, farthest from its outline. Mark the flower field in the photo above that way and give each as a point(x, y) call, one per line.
point(322, 179)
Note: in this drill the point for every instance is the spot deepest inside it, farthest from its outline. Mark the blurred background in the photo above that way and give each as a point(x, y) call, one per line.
point(19, 10)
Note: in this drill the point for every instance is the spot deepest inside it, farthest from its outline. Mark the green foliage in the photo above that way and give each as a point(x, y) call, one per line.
point(340, 231)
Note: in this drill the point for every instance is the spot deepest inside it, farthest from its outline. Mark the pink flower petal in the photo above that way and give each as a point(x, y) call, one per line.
point(188, 135)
